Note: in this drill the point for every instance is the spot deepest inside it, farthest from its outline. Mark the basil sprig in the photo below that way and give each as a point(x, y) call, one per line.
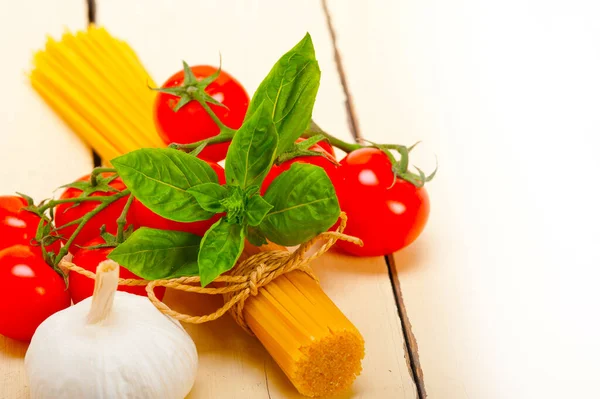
point(299, 204)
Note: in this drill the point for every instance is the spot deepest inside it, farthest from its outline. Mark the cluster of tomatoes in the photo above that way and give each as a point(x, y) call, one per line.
point(385, 211)
point(30, 290)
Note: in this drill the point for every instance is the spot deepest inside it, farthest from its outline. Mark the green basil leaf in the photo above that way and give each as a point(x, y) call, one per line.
point(304, 205)
point(289, 92)
point(220, 248)
point(160, 177)
point(255, 237)
point(235, 204)
point(250, 191)
point(209, 196)
point(256, 210)
point(158, 254)
point(252, 150)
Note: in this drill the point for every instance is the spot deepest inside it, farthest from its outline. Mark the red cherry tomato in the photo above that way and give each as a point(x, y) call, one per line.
point(387, 218)
point(82, 287)
point(191, 123)
point(141, 216)
point(65, 213)
point(30, 291)
point(329, 167)
point(18, 226)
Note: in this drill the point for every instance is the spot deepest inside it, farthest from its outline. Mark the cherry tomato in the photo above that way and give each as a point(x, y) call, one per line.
point(144, 217)
point(329, 167)
point(18, 226)
point(30, 291)
point(191, 123)
point(82, 287)
point(66, 213)
point(386, 217)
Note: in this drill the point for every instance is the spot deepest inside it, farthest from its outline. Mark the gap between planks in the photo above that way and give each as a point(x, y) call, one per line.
point(91, 15)
point(410, 340)
point(411, 347)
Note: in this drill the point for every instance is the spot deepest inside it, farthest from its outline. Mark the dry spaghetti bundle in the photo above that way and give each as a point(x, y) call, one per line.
point(313, 342)
point(98, 86)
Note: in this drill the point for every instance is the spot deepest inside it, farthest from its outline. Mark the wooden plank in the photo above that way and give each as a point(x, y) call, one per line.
point(500, 288)
point(39, 152)
point(251, 36)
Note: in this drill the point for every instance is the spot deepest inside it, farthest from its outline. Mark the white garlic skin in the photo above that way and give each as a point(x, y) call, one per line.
point(136, 352)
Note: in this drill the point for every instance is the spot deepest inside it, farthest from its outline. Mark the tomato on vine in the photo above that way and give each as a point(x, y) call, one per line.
point(385, 211)
point(66, 213)
point(82, 287)
point(184, 104)
point(30, 292)
point(17, 225)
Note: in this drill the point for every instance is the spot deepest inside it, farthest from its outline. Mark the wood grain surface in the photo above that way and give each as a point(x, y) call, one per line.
point(498, 297)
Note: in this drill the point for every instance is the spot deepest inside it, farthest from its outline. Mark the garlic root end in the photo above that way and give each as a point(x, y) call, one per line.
point(107, 281)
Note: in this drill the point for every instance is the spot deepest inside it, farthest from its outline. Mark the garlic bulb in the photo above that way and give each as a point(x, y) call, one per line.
point(113, 345)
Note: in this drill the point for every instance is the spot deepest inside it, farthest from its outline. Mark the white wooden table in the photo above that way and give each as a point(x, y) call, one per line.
point(498, 298)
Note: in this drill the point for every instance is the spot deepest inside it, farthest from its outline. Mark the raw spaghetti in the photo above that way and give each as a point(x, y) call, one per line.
point(98, 86)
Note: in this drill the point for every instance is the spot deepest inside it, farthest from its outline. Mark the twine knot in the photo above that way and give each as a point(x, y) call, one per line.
point(245, 280)
point(254, 282)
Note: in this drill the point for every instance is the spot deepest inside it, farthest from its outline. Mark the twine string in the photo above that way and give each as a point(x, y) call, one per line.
point(244, 281)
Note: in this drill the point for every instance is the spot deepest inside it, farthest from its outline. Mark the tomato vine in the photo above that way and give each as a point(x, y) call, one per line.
point(47, 233)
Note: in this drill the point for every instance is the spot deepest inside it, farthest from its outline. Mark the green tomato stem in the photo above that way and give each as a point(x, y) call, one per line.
point(122, 220)
point(403, 165)
point(71, 223)
point(53, 203)
point(215, 118)
point(97, 171)
point(222, 137)
point(315, 130)
point(399, 167)
point(39, 236)
point(83, 221)
point(286, 156)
